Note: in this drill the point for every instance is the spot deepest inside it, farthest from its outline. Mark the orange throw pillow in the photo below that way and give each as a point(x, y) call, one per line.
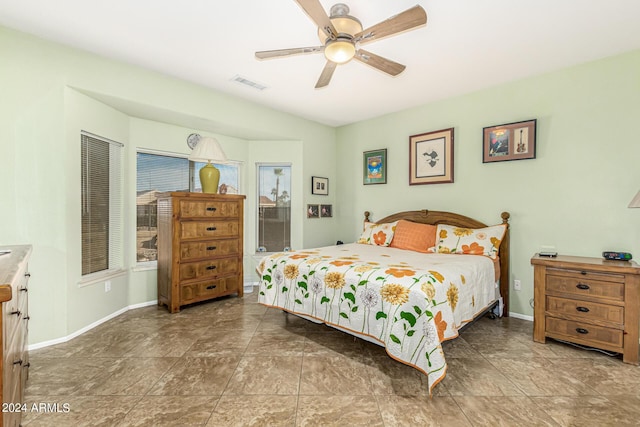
point(414, 236)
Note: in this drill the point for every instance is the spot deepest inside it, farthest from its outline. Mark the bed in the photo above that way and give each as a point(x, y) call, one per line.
point(411, 281)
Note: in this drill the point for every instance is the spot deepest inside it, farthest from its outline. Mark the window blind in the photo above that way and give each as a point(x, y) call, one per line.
point(102, 204)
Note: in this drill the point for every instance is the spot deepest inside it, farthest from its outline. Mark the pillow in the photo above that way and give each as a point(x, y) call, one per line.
point(414, 236)
point(469, 241)
point(377, 234)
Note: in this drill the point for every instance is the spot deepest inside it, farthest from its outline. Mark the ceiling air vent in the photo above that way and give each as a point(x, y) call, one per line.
point(245, 81)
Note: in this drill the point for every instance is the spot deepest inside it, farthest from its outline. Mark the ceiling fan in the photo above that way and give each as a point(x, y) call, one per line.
point(342, 35)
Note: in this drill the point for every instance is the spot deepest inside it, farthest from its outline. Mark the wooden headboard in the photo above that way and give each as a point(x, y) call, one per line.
point(438, 217)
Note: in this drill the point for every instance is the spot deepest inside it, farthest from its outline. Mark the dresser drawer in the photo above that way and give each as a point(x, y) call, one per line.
point(585, 333)
point(208, 209)
point(208, 249)
point(209, 289)
point(209, 268)
point(587, 311)
point(208, 229)
point(590, 285)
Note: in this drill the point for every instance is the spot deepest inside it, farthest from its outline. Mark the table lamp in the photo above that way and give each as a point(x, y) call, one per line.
point(208, 150)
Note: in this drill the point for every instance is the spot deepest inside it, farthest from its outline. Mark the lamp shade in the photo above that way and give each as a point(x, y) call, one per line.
point(208, 150)
point(635, 202)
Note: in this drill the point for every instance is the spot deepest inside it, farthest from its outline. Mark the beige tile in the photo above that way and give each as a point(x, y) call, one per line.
point(421, 411)
point(216, 343)
point(477, 377)
point(333, 343)
point(197, 376)
point(276, 343)
point(503, 411)
point(541, 377)
point(255, 410)
point(130, 376)
point(62, 377)
point(334, 375)
point(589, 411)
point(77, 411)
point(170, 411)
point(266, 375)
point(610, 377)
point(389, 376)
point(338, 411)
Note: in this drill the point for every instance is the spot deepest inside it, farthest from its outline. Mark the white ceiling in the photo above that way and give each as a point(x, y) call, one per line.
point(466, 45)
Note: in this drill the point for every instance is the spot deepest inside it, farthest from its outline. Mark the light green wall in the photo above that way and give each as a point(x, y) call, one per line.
point(50, 92)
point(573, 196)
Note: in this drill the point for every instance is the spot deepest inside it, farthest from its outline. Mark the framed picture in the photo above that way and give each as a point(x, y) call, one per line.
point(326, 211)
point(319, 185)
point(374, 169)
point(512, 141)
point(431, 157)
point(313, 211)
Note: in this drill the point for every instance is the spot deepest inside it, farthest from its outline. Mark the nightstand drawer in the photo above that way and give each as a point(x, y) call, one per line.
point(584, 286)
point(208, 209)
point(587, 311)
point(585, 333)
point(208, 249)
point(209, 268)
point(208, 229)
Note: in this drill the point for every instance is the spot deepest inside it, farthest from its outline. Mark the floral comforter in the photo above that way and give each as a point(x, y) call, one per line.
point(410, 302)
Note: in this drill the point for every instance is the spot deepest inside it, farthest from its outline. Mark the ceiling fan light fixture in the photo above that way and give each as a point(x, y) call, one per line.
point(340, 50)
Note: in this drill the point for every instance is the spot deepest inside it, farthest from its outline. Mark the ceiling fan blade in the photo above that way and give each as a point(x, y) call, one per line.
point(326, 75)
point(382, 64)
point(407, 20)
point(316, 12)
point(267, 54)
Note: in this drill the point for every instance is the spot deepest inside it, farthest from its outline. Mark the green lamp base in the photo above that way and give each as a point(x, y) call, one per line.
point(209, 178)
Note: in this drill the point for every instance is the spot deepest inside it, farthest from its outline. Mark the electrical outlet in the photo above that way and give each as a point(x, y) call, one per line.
point(107, 286)
point(517, 285)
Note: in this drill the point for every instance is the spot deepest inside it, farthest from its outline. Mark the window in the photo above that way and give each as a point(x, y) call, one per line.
point(274, 207)
point(160, 172)
point(101, 194)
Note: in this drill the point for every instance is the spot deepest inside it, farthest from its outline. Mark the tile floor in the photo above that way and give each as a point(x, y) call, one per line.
point(233, 362)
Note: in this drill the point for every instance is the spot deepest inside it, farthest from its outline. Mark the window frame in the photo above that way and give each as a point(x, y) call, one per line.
point(257, 215)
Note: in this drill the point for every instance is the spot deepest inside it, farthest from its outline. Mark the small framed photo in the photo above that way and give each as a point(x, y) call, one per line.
point(511, 141)
point(326, 211)
point(431, 157)
point(313, 211)
point(374, 169)
point(320, 185)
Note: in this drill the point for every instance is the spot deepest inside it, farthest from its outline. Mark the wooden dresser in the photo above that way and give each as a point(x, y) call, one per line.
point(200, 244)
point(14, 278)
point(588, 301)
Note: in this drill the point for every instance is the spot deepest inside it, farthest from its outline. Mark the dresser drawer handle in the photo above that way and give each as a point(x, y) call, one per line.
point(582, 331)
point(26, 365)
point(211, 267)
point(17, 313)
point(212, 287)
point(18, 362)
point(27, 274)
point(211, 229)
point(582, 286)
point(584, 273)
point(582, 309)
point(211, 248)
point(212, 209)
point(24, 289)
point(26, 318)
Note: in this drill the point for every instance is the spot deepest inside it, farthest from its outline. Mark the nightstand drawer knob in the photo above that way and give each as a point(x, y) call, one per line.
point(211, 267)
point(211, 229)
point(212, 287)
point(582, 331)
point(582, 309)
point(582, 286)
point(211, 248)
point(211, 209)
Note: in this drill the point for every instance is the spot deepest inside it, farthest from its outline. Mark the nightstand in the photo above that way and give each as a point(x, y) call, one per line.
point(588, 301)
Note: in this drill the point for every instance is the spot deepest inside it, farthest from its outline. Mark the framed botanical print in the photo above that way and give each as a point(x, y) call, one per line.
point(431, 157)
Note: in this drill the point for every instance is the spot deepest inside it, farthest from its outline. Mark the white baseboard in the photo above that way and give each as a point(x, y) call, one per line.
point(89, 327)
point(521, 316)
